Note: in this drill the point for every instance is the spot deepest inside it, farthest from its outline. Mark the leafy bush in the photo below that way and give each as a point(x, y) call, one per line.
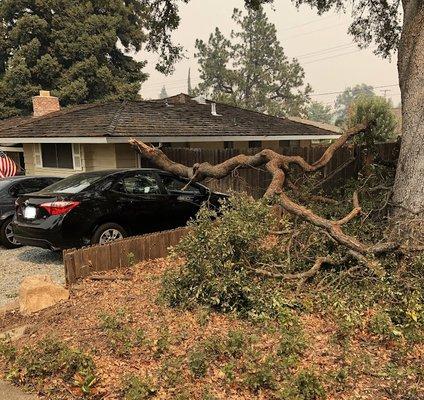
point(219, 255)
point(309, 386)
point(135, 388)
point(122, 338)
point(198, 363)
point(261, 376)
point(51, 358)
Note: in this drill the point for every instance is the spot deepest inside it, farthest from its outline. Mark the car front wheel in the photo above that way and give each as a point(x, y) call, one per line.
point(7, 237)
point(108, 233)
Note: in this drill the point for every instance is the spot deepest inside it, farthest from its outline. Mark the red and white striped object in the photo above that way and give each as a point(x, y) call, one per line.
point(7, 166)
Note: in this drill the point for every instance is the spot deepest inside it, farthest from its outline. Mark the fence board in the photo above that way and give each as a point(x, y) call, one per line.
point(82, 262)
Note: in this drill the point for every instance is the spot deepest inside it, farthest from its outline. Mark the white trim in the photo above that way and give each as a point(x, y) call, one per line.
point(8, 149)
point(54, 140)
point(168, 139)
point(38, 155)
point(240, 138)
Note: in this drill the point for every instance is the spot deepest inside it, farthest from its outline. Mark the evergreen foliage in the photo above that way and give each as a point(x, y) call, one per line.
point(80, 49)
point(250, 69)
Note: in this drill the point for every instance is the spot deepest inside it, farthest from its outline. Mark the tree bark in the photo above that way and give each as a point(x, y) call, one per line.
point(408, 193)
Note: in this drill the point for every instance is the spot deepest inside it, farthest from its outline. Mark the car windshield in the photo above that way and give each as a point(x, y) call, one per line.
point(73, 184)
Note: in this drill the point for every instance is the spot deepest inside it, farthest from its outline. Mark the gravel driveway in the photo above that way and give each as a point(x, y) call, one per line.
point(18, 263)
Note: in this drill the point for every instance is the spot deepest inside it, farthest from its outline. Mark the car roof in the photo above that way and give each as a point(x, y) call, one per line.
point(22, 177)
point(107, 172)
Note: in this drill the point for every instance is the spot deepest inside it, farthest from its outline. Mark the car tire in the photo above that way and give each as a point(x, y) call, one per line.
point(6, 235)
point(108, 233)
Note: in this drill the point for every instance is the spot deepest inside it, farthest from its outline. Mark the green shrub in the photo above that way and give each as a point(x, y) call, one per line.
point(122, 338)
point(381, 324)
point(170, 372)
point(51, 358)
point(135, 388)
point(7, 350)
point(235, 343)
point(309, 386)
point(261, 375)
point(219, 254)
point(198, 363)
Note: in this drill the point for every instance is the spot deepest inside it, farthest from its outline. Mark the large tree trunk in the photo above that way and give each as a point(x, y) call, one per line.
point(409, 185)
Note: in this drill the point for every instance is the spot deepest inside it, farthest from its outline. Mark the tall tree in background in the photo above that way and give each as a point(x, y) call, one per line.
point(348, 97)
point(250, 69)
point(79, 49)
point(319, 112)
point(163, 93)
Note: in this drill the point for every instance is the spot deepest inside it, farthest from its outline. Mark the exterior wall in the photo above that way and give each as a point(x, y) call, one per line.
point(99, 156)
point(126, 156)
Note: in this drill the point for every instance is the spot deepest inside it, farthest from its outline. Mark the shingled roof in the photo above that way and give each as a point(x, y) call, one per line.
point(176, 117)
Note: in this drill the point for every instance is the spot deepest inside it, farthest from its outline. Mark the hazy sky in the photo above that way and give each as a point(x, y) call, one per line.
point(321, 43)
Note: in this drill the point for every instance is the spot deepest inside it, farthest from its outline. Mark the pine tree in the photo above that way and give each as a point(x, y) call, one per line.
point(250, 69)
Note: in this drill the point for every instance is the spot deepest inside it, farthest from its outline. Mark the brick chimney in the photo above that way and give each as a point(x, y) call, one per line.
point(44, 104)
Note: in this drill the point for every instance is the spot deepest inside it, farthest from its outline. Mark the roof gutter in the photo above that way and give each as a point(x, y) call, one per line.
point(166, 139)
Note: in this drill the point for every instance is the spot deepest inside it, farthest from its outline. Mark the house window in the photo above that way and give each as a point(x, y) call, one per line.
point(254, 144)
point(229, 145)
point(57, 155)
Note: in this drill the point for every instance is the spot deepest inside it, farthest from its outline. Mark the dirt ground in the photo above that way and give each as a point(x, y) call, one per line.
point(98, 311)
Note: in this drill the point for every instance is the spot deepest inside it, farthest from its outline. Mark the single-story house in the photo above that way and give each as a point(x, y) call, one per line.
point(91, 137)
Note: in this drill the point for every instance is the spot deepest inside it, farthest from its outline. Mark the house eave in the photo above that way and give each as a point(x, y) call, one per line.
point(165, 139)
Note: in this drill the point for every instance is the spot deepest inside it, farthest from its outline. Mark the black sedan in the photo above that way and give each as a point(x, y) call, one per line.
point(10, 189)
point(99, 207)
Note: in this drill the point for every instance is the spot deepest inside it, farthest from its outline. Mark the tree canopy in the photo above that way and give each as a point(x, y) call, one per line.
point(376, 112)
point(250, 69)
point(319, 112)
point(80, 49)
point(348, 97)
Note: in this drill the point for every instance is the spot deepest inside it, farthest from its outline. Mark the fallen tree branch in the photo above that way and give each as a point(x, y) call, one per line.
point(278, 166)
point(319, 262)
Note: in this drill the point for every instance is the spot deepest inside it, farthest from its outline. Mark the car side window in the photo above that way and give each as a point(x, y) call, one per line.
point(173, 184)
point(138, 184)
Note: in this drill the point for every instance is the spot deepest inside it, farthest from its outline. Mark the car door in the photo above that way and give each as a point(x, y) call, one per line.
point(185, 198)
point(141, 201)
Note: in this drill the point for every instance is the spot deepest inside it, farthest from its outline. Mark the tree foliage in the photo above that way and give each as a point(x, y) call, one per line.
point(250, 69)
point(320, 112)
point(348, 97)
point(376, 112)
point(80, 49)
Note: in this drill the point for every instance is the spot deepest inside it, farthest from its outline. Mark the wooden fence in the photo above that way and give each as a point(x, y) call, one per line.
point(80, 263)
point(344, 165)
